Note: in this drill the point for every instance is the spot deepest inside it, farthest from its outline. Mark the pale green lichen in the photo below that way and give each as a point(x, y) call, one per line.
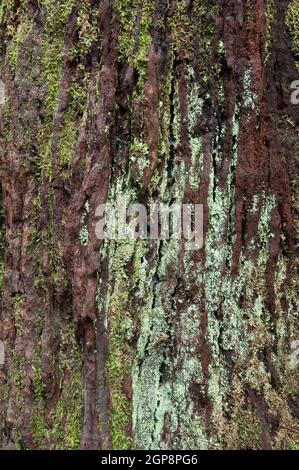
point(249, 97)
point(157, 401)
point(195, 103)
point(84, 233)
point(120, 353)
point(139, 154)
point(244, 328)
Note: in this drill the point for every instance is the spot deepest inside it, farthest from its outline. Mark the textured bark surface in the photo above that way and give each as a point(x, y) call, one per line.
point(146, 344)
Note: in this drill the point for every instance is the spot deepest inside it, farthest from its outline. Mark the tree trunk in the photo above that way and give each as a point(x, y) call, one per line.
point(146, 344)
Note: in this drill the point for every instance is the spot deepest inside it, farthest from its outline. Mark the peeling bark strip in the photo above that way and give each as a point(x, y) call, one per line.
point(144, 344)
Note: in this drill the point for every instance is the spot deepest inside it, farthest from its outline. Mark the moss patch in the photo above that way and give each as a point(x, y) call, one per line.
point(270, 19)
point(135, 37)
point(292, 21)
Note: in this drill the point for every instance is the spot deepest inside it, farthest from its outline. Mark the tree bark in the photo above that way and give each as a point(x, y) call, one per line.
point(145, 344)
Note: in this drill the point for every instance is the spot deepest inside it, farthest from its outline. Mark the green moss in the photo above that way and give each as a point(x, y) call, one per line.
point(39, 427)
point(62, 429)
point(65, 430)
point(18, 380)
point(199, 24)
point(249, 431)
point(135, 33)
point(67, 425)
point(67, 140)
point(37, 377)
point(88, 29)
point(51, 52)
point(292, 22)
point(182, 28)
point(52, 48)
point(2, 243)
point(270, 19)
point(1, 275)
point(19, 37)
point(17, 309)
point(17, 26)
point(69, 132)
point(18, 373)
